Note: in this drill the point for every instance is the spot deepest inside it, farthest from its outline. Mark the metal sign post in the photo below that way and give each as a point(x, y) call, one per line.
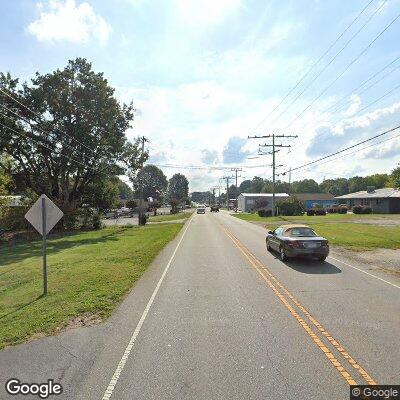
point(43, 215)
point(44, 236)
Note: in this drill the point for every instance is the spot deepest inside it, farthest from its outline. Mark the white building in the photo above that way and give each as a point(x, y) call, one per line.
point(246, 201)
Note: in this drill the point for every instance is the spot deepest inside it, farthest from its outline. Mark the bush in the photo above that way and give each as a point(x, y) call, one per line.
point(264, 213)
point(310, 212)
point(362, 210)
point(96, 221)
point(319, 211)
point(291, 206)
point(13, 218)
point(343, 210)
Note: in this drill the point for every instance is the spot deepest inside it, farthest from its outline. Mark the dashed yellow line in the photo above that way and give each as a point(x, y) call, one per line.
point(274, 284)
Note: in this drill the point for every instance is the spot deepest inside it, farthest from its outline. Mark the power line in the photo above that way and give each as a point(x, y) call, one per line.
point(343, 150)
point(41, 144)
point(333, 106)
point(313, 65)
point(327, 65)
point(40, 117)
point(343, 72)
point(274, 146)
point(204, 167)
point(31, 125)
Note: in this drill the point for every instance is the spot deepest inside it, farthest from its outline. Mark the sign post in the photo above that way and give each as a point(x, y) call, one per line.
point(43, 215)
point(44, 236)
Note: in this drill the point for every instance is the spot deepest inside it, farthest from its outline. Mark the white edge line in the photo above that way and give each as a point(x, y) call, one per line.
point(365, 272)
point(109, 391)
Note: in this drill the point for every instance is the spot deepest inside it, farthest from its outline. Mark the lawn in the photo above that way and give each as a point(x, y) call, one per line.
point(312, 219)
point(88, 274)
point(340, 230)
point(170, 217)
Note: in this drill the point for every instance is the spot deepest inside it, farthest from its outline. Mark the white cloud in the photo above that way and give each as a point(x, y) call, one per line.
point(354, 106)
point(69, 21)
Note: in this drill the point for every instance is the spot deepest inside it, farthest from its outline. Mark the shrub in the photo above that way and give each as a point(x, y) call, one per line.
point(264, 213)
point(357, 209)
point(367, 210)
point(320, 211)
point(343, 210)
point(310, 212)
point(96, 221)
point(291, 206)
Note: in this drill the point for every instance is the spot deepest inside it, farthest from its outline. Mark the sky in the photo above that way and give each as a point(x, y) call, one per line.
point(205, 75)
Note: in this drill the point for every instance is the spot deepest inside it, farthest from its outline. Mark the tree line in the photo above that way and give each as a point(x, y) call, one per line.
point(337, 187)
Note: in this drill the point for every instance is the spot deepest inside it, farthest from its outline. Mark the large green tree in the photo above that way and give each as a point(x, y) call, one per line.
point(178, 187)
point(153, 181)
point(395, 178)
point(65, 132)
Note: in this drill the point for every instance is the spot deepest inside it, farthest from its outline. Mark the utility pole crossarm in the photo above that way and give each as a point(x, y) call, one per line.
point(273, 152)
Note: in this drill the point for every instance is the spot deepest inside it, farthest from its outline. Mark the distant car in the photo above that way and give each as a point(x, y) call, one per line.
point(214, 208)
point(201, 210)
point(297, 240)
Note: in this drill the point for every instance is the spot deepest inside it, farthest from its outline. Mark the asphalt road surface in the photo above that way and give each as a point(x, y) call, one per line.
point(218, 317)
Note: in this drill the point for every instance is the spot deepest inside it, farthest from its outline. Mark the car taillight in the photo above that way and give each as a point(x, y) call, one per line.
point(326, 243)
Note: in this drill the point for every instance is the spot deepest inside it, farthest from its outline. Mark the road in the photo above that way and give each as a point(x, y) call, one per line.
point(218, 317)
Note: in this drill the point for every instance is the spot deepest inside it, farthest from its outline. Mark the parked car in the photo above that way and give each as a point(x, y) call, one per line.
point(297, 240)
point(214, 207)
point(201, 210)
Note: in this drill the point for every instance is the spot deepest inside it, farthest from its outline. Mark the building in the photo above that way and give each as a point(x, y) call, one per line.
point(385, 201)
point(247, 201)
point(310, 199)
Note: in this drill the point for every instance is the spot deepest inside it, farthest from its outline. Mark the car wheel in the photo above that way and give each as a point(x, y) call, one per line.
point(322, 258)
point(282, 254)
point(268, 245)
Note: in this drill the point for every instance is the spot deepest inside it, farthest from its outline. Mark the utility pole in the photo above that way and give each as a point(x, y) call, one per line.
point(236, 170)
point(227, 189)
point(274, 146)
point(143, 140)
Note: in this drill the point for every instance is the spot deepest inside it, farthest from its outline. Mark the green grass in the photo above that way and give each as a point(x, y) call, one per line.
point(170, 217)
point(312, 219)
point(340, 230)
point(88, 274)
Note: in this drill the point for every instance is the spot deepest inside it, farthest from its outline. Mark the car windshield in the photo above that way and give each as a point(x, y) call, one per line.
point(303, 232)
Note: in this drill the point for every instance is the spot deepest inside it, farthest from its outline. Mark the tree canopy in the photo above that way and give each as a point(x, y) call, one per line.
point(153, 180)
point(65, 132)
point(178, 187)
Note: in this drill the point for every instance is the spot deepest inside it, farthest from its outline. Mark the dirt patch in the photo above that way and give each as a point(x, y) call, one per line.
point(385, 260)
point(86, 319)
point(379, 222)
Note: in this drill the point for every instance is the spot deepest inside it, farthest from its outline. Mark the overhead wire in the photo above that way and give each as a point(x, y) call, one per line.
point(313, 65)
point(344, 71)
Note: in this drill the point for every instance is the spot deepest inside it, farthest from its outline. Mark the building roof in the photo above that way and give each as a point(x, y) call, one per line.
point(376, 194)
point(264, 194)
point(313, 196)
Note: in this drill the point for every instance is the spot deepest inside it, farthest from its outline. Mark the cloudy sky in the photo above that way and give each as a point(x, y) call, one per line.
point(204, 75)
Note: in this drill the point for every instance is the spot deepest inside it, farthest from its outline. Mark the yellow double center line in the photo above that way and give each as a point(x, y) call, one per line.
point(285, 296)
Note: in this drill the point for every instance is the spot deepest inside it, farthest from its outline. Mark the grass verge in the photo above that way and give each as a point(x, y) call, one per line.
point(339, 230)
point(88, 274)
point(170, 217)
